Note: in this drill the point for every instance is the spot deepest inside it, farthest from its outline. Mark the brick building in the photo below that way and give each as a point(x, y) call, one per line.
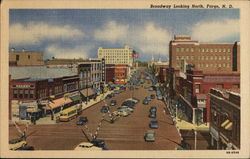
point(121, 74)
point(31, 97)
point(25, 58)
point(225, 119)
point(208, 57)
point(109, 73)
point(193, 91)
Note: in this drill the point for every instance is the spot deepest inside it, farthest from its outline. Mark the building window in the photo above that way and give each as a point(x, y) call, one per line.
point(215, 50)
point(229, 50)
point(28, 56)
point(206, 65)
point(224, 57)
point(20, 93)
point(207, 50)
point(224, 50)
point(202, 57)
point(17, 57)
point(219, 65)
point(211, 50)
point(215, 65)
point(26, 93)
point(177, 57)
point(202, 50)
point(182, 49)
point(235, 86)
point(207, 57)
point(177, 49)
point(187, 57)
point(211, 57)
point(211, 65)
point(202, 65)
point(215, 57)
point(219, 57)
point(228, 57)
point(199, 57)
point(197, 88)
point(228, 64)
point(219, 50)
point(15, 92)
point(187, 49)
point(192, 49)
point(223, 65)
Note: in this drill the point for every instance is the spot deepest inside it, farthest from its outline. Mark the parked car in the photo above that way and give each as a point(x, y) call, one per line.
point(99, 143)
point(135, 100)
point(125, 109)
point(152, 115)
point(159, 97)
point(153, 124)
point(82, 121)
point(152, 96)
point(113, 103)
point(152, 109)
point(109, 96)
point(121, 113)
point(104, 109)
point(148, 98)
point(150, 89)
point(145, 102)
point(129, 103)
point(149, 136)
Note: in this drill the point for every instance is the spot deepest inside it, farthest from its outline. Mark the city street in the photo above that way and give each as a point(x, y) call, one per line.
point(126, 133)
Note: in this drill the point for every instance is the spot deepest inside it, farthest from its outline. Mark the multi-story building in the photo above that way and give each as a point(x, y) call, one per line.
point(117, 56)
point(25, 58)
point(208, 57)
point(33, 97)
point(109, 73)
point(91, 73)
point(225, 119)
point(194, 89)
point(121, 74)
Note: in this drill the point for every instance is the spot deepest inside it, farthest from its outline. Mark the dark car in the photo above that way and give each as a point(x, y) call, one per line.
point(109, 96)
point(113, 103)
point(99, 143)
point(152, 96)
point(145, 101)
point(129, 103)
point(153, 124)
point(152, 109)
point(152, 115)
point(82, 121)
point(27, 148)
point(104, 109)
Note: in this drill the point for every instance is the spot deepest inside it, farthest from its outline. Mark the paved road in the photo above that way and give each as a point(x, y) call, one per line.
point(125, 134)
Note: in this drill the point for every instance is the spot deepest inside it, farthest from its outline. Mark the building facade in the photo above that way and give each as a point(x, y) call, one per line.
point(25, 58)
point(193, 90)
point(225, 119)
point(109, 73)
point(117, 56)
point(208, 57)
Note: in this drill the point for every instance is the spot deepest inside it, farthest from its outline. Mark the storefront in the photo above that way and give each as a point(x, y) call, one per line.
point(88, 93)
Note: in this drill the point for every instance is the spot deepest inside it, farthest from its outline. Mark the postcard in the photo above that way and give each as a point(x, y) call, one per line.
point(125, 79)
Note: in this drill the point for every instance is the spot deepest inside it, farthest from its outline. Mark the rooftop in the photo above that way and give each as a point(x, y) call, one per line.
point(39, 72)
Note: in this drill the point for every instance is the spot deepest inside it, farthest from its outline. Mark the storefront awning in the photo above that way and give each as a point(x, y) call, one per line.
point(76, 98)
point(57, 103)
point(87, 92)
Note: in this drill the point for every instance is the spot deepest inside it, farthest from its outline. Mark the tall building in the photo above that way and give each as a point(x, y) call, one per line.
point(208, 57)
point(25, 58)
point(117, 56)
point(225, 119)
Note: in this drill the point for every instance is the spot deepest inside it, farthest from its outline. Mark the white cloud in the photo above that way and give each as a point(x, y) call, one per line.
point(111, 32)
point(36, 32)
point(79, 51)
point(149, 38)
point(215, 30)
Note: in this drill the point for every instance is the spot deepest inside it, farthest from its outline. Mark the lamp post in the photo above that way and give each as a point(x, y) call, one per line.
point(195, 138)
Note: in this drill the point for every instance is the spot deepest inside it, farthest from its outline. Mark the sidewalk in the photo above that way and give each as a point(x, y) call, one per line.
point(184, 125)
point(47, 119)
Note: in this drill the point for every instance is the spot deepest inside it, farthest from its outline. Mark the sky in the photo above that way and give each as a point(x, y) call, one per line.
point(74, 33)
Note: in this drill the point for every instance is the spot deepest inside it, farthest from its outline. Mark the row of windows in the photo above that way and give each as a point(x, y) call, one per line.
point(26, 93)
point(113, 50)
point(115, 57)
point(214, 65)
point(203, 49)
point(203, 57)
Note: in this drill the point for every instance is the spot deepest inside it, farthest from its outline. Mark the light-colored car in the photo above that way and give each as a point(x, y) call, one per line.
point(159, 97)
point(87, 146)
point(149, 136)
point(121, 113)
point(128, 108)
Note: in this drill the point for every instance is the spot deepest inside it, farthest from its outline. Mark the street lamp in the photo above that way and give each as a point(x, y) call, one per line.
point(195, 138)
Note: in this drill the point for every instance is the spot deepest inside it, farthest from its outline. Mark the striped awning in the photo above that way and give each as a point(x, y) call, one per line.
point(57, 103)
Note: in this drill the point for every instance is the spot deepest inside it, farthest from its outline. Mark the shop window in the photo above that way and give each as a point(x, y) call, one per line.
point(20, 93)
point(31, 93)
point(15, 92)
point(26, 93)
point(197, 88)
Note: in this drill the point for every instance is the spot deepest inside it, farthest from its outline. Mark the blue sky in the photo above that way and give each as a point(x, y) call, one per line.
point(68, 33)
